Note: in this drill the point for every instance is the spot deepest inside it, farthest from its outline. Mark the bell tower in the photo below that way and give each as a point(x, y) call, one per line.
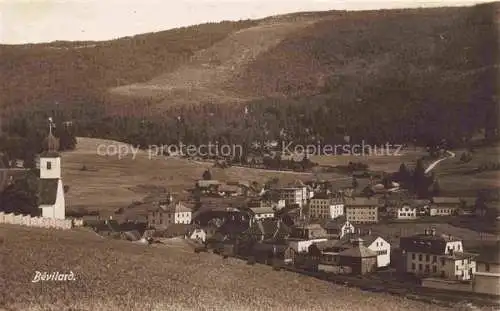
point(50, 161)
point(51, 192)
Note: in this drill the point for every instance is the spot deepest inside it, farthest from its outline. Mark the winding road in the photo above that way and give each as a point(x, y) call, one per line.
point(433, 164)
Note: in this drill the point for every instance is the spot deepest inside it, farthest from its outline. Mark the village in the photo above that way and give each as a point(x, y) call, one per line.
point(334, 230)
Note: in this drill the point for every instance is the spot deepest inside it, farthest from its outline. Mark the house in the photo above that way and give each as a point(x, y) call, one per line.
point(267, 229)
point(51, 190)
point(406, 211)
point(431, 255)
point(359, 258)
point(339, 227)
point(208, 186)
point(380, 246)
point(362, 210)
point(165, 215)
point(262, 212)
point(303, 236)
point(487, 275)
point(273, 253)
point(373, 242)
point(226, 190)
point(444, 206)
point(325, 255)
point(309, 231)
point(325, 207)
point(274, 204)
point(198, 234)
point(295, 194)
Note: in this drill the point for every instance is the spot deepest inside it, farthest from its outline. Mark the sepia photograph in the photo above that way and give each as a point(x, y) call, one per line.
point(249, 155)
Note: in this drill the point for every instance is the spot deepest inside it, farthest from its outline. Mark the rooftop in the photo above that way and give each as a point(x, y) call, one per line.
point(426, 243)
point(361, 202)
point(446, 200)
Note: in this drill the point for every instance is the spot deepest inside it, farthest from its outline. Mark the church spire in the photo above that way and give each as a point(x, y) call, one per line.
point(52, 141)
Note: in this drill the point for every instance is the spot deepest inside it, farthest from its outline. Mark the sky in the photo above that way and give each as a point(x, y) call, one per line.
point(35, 21)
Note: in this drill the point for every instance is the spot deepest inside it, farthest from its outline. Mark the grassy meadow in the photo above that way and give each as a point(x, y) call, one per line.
point(118, 275)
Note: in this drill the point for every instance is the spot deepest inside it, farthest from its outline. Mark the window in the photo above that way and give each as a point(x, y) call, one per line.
point(442, 262)
point(427, 258)
point(427, 268)
point(420, 257)
point(49, 165)
point(434, 269)
point(413, 266)
point(419, 267)
point(434, 258)
point(487, 267)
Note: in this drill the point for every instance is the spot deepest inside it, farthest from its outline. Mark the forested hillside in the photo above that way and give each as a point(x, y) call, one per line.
point(419, 75)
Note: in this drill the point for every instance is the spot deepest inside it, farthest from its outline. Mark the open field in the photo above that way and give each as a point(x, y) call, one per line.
point(389, 162)
point(458, 178)
point(110, 183)
point(119, 275)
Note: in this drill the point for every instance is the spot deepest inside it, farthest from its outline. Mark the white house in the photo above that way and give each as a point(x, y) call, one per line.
point(262, 212)
point(339, 227)
point(173, 213)
point(198, 234)
point(325, 208)
point(51, 189)
point(302, 245)
point(430, 255)
point(406, 211)
point(381, 247)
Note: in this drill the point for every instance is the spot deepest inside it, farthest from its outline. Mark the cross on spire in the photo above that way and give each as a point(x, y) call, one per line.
point(51, 125)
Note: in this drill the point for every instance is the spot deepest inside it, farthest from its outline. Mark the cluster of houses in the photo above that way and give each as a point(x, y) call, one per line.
point(303, 226)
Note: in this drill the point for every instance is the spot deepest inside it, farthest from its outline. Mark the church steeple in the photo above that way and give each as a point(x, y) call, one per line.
point(51, 141)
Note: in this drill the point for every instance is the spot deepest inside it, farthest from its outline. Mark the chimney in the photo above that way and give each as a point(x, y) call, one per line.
point(433, 231)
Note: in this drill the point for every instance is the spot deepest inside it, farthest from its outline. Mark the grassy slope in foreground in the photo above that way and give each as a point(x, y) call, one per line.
point(118, 275)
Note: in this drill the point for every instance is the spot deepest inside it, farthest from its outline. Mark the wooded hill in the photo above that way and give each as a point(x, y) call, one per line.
point(394, 75)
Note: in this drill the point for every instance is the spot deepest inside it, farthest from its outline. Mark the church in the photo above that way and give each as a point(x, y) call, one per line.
point(51, 191)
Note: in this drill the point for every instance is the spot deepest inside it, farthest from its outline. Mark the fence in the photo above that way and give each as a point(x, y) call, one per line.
point(40, 222)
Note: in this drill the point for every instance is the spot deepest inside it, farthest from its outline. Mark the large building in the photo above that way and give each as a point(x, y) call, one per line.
point(431, 255)
point(172, 213)
point(487, 276)
point(51, 191)
point(294, 195)
point(361, 210)
point(325, 207)
point(445, 206)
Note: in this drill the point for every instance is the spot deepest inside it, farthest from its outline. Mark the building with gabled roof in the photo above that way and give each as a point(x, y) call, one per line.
point(487, 276)
point(362, 210)
point(432, 255)
point(359, 258)
point(163, 215)
point(51, 189)
point(444, 206)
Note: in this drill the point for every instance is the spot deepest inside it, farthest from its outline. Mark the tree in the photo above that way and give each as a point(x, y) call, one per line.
point(207, 175)
point(403, 175)
point(355, 183)
point(436, 188)
point(21, 196)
